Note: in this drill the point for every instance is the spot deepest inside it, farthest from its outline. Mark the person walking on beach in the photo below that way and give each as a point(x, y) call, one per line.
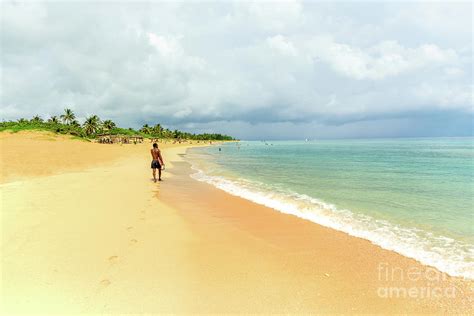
point(157, 162)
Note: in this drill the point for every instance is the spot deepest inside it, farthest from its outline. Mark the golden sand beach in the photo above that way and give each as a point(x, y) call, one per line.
point(86, 231)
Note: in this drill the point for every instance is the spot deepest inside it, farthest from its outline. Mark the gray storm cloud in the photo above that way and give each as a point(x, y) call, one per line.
point(296, 66)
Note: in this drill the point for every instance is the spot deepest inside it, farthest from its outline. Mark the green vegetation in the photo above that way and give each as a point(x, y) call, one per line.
point(94, 126)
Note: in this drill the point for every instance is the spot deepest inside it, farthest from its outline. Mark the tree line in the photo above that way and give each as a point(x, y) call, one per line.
point(92, 126)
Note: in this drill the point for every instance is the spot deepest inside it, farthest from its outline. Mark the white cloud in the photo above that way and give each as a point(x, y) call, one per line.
point(447, 97)
point(183, 113)
point(453, 71)
point(384, 59)
point(270, 15)
point(254, 62)
point(282, 45)
point(166, 46)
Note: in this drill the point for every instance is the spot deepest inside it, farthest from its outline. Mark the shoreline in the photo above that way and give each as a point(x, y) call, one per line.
point(100, 238)
point(285, 204)
point(350, 260)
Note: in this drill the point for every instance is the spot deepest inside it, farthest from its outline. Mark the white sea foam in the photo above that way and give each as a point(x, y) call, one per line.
point(446, 254)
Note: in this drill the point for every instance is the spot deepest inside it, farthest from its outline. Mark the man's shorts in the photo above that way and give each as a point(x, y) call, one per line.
point(155, 164)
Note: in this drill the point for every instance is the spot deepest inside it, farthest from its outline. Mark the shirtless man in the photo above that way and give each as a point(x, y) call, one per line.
point(157, 161)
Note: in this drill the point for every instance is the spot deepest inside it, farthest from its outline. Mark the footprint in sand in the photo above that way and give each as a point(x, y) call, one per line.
point(133, 241)
point(142, 218)
point(113, 259)
point(129, 228)
point(105, 282)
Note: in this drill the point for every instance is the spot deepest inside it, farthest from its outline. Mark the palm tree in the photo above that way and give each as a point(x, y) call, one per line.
point(91, 124)
point(75, 123)
point(108, 125)
point(54, 120)
point(167, 133)
point(22, 120)
point(98, 121)
point(145, 129)
point(37, 119)
point(157, 130)
point(68, 116)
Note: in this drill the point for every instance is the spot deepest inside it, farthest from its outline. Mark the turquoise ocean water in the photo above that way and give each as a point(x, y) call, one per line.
point(412, 196)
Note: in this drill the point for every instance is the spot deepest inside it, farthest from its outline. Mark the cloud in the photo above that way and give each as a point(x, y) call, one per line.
point(167, 47)
point(282, 64)
point(269, 16)
point(282, 45)
point(387, 58)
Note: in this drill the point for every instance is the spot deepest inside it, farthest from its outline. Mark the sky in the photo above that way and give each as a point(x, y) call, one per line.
point(254, 70)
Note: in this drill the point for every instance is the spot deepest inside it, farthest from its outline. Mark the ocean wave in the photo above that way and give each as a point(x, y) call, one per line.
point(446, 254)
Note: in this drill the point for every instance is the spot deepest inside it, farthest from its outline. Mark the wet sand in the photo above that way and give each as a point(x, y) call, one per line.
point(96, 235)
point(298, 266)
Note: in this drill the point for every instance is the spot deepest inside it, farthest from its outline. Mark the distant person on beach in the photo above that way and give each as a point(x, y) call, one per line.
point(157, 162)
